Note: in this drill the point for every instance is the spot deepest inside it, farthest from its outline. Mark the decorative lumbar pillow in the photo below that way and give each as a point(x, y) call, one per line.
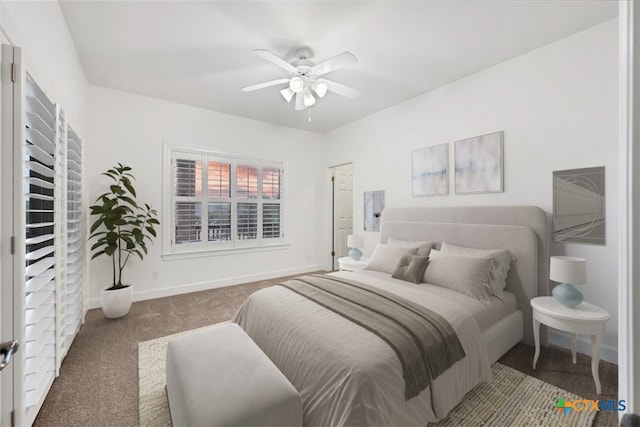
point(502, 259)
point(385, 257)
point(423, 246)
point(411, 268)
point(467, 275)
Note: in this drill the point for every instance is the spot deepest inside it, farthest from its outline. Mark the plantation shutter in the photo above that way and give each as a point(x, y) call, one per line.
point(39, 184)
point(74, 303)
point(219, 201)
point(187, 193)
point(272, 199)
point(247, 206)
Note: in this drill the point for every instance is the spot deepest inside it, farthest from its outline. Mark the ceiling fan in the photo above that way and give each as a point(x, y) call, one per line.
point(303, 80)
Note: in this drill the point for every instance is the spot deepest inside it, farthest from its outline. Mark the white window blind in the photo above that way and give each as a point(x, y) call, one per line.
point(39, 174)
point(243, 200)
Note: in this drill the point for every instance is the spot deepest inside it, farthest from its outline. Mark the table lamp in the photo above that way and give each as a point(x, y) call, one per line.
point(355, 242)
point(568, 271)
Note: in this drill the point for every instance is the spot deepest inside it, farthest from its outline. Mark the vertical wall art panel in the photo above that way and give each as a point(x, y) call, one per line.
point(478, 164)
point(429, 171)
point(373, 207)
point(579, 206)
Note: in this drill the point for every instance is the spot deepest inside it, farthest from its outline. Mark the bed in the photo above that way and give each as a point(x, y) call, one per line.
point(347, 375)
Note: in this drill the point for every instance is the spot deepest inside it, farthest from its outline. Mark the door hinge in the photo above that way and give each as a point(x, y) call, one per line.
point(13, 245)
point(13, 72)
point(333, 179)
point(13, 418)
point(333, 253)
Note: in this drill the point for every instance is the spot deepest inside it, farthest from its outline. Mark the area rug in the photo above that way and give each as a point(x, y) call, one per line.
point(510, 398)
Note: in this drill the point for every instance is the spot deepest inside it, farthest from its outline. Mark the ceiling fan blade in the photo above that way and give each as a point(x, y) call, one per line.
point(265, 84)
point(340, 89)
point(299, 101)
point(265, 54)
point(338, 61)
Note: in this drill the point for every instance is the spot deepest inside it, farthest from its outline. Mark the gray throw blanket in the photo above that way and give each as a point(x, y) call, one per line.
point(424, 341)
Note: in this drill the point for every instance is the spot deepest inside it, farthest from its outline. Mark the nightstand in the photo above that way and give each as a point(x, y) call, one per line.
point(585, 319)
point(349, 264)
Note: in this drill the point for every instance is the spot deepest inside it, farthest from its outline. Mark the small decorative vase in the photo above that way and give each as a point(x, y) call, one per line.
point(355, 253)
point(117, 302)
point(567, 295)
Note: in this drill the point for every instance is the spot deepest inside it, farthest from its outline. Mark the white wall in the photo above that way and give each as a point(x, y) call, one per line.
point(131, 129)
point(50, 56)
point(558, 109)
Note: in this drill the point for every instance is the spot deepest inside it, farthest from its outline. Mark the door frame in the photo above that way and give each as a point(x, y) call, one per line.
point(9, 55)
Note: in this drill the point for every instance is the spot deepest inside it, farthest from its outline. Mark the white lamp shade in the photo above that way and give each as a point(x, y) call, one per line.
point(354, 241)
point(309, 100)
point(568, 269)
point(296, 84)
point(320, 89)
point(287, 94)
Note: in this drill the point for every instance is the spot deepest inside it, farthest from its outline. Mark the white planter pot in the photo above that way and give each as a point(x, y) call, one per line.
point(117, 302)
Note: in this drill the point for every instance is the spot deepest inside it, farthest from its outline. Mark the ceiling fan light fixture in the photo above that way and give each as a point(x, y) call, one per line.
point(287, 94)
point(320, 89)
point(296, 84)
point(308, 99)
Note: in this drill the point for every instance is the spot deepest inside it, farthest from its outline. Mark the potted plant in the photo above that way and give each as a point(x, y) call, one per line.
point(122, 227)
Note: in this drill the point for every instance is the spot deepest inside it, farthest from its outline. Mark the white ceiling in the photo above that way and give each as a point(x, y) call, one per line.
point(200, 53)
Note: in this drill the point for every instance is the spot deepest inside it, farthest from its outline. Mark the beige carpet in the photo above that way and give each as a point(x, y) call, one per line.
point(510, 398)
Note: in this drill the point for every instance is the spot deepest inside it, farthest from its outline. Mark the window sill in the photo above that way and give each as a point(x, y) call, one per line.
point(202, 253)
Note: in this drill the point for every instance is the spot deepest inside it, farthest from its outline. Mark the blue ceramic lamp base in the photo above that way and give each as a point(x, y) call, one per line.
point(355, 253)
point(566, 294)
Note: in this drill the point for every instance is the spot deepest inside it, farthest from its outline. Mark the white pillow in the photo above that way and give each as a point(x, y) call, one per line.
point(499, 270)
point(467, 275)
point(385, 258)
point(423, 246)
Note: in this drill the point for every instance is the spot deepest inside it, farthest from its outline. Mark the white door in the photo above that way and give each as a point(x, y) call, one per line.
point(6, 224)
point(342, 208)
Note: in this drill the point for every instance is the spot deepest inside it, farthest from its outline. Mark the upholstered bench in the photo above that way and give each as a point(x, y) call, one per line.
point(219, 377)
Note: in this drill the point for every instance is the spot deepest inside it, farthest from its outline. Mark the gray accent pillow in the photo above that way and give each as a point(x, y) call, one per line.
point(411, 268)
point(467, 275)
point(385, 258)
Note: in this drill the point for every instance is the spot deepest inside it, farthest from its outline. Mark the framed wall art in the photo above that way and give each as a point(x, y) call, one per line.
point(579, 206)
point(373, 207)
point(429, 169)
point(478, 164)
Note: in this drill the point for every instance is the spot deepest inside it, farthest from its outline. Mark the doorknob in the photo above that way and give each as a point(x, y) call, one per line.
point(7, 349)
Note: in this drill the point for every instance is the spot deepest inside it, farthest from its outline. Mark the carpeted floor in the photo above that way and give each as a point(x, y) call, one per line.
point(98, 382)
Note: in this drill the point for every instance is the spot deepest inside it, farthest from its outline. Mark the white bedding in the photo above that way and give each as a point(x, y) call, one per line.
point(345, 374)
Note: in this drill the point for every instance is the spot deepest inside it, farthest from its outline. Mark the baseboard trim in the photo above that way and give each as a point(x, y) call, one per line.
point(607, 352)
point(211, 284)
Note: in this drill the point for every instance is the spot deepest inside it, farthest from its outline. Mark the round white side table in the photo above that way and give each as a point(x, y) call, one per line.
point(585, 319)
point(346, 263)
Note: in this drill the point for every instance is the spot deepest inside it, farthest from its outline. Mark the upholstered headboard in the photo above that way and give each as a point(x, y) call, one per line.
point(521, 229)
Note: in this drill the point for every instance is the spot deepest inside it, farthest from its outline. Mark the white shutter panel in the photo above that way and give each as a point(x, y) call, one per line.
point(74, 306)
point(61, 236)
point(39, 185)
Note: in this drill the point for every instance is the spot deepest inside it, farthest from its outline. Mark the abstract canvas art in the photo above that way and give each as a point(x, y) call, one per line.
point(579, 206)
point(429, 171)
point(373, 207)
point(478, 164)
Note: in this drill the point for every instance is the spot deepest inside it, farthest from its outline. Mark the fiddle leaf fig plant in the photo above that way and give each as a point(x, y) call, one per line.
point(121, 226)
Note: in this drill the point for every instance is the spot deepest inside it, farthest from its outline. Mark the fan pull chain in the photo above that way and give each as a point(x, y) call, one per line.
point(309, 110)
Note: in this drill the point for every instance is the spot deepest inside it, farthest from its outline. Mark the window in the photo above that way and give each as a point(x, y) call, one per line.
point(222, 203)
